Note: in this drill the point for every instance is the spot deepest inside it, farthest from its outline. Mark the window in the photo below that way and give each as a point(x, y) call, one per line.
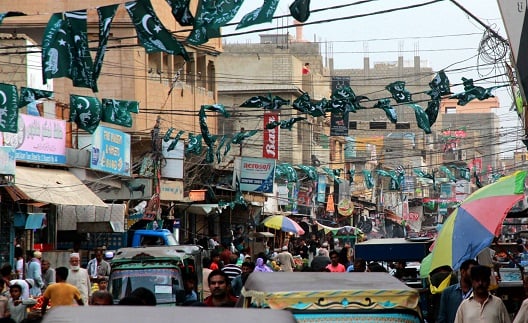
point(378, 125)
point(403, 125)
point(352, 125)
point(450, 110)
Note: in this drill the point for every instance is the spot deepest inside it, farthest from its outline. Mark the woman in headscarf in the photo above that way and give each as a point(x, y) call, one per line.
point(261, 266)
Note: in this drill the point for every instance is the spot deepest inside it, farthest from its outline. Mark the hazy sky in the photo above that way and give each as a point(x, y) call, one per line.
point(441, 33)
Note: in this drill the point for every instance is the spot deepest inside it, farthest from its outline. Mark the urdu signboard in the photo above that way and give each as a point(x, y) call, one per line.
point(38, 140)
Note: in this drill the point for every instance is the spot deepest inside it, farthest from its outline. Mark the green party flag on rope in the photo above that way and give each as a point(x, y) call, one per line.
point(367, 177)
point(61, 56)
point(310, 171)
point(447, 172)
point(174, 142)
point(266, 102)
point(259, 16)
point(242, 135)
point(106, 15)
point(82, 64)
point(85, 111)
point(8, 108)
point(421, 118)
point(300, 10)
point(29, 95)
point(399, 92)
point(203, 120)
point(284, 124)
point(181, 12)
point(211, 15)
point(195, 144)
point(384, 104)
point(154, 37)
point(472, 92)
point(118, 111)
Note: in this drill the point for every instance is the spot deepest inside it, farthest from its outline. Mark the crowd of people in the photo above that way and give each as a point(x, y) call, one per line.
point(34, 283)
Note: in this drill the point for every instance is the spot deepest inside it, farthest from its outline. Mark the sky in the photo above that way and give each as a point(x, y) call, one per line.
point(441, 33)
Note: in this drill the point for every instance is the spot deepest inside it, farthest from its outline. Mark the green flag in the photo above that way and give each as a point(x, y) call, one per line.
point(211, 15)
point(85, 111)
point(106, 15)
point(195, 145)
point(260, 15)
point(300, 10)
point(181, 12)
point(118, 111)
point(367, 176)
point(82, 64)
point(29, 95)
point(174, 142)
point(151, 32)
point(8, 108)
point(56, 49)
point(241, 136)
point(421, 118)
point(399, 92)
point(390, 112)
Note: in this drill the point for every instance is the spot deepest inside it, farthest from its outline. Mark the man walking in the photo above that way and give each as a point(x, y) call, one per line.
point(48, 273)
point(285, 259)
point(481, 306)
point(219, 285)
point(79, 277)
point(34, 271)
point(335, 266)
point(61, 293)
point(98, 268)
point(453, 295)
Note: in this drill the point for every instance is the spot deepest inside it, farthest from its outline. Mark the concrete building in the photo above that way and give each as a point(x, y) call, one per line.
point(165, 86)
point(274, 66)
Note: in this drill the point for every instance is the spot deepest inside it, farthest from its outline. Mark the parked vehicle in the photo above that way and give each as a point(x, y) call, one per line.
point(320, 296)
point(145, 238)
point(159, 269)
point(141, 314)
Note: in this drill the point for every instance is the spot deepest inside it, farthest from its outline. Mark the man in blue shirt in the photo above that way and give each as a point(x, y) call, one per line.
point(453, 295)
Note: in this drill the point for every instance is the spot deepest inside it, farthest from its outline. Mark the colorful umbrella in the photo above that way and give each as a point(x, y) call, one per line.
point(478, 219)
point(281, 222)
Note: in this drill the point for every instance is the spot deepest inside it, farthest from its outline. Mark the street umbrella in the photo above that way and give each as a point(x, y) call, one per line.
point(283, 223)
point(478, 219)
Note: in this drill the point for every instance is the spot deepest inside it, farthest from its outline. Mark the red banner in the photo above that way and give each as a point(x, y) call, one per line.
point(270, 147)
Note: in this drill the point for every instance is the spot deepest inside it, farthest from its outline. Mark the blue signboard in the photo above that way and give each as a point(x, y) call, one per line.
point(257, 174)
point(111, 151)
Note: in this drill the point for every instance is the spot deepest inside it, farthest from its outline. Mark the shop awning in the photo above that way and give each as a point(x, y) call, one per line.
point(200, 209)
point(35, 221)
point(52, 186)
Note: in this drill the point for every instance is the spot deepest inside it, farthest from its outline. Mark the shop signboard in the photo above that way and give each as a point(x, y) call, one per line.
point(7, 160)
point(257, 174)
point(38, 140)
point(110, 151)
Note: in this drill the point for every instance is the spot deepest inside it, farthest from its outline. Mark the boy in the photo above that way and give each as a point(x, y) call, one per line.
point(17, 306)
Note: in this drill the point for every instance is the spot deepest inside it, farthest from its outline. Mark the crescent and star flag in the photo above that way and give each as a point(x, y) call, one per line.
point(259, 16)
point(399, 92)
point(300, 10)
point(118, 111)
point(29, 95)
point(211, 15)
point(154, 37)
point(61, 56)
point(181, 12)
point(8, 108)
point(85, 111)
point(106, 15)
